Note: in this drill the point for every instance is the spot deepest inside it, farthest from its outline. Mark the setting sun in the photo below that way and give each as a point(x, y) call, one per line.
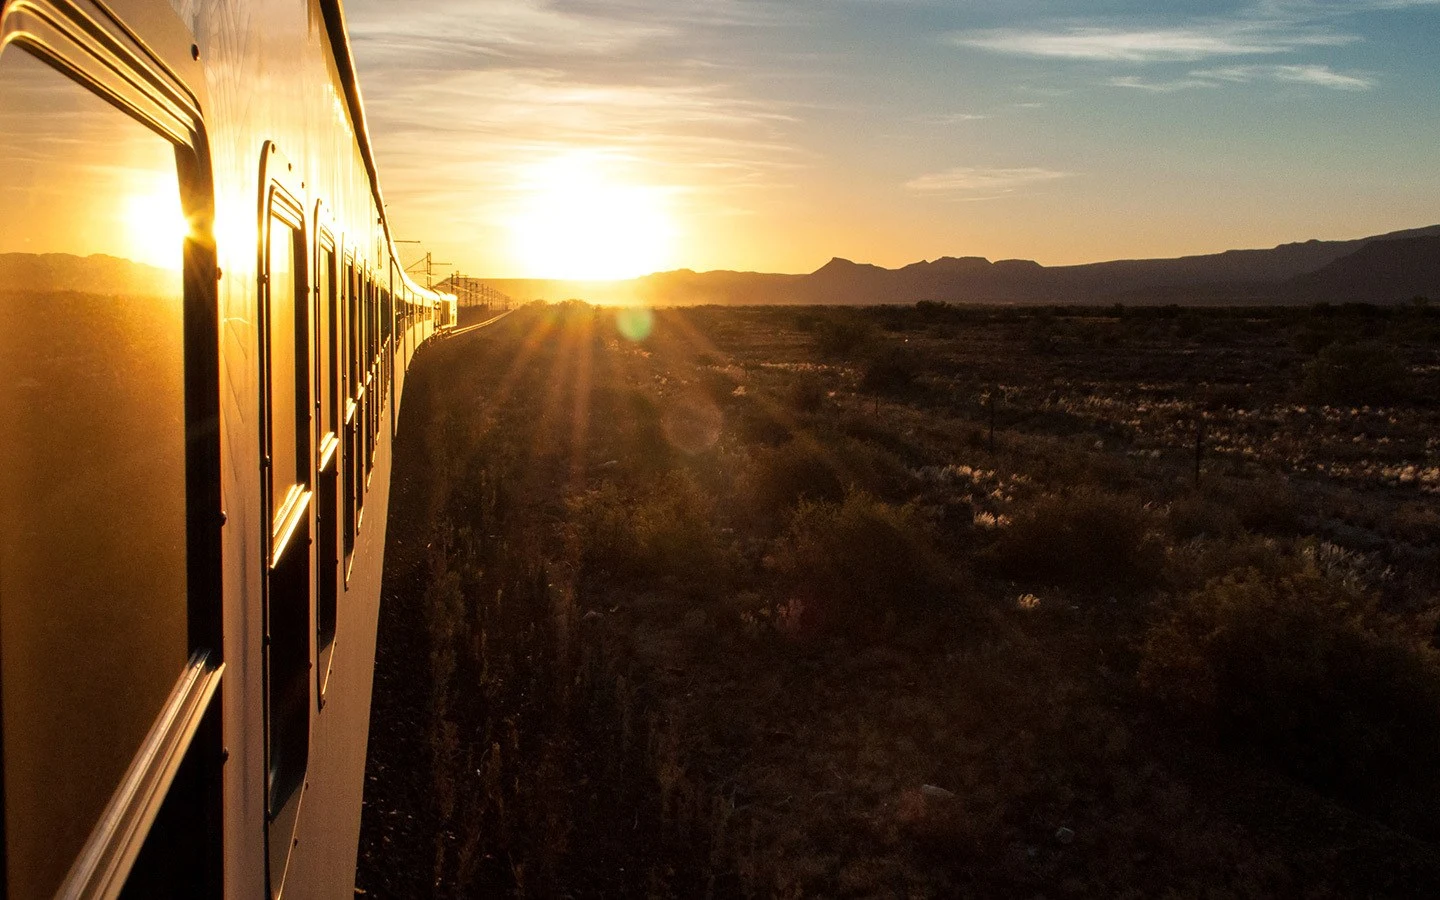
point(155, 226)
point(580, 219)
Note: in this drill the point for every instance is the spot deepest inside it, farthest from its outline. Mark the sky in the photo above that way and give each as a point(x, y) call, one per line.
point(611, 138)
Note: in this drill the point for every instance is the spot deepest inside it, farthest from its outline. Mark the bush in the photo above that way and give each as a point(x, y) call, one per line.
point(719, 384)
point(1193, 516)
point(889, 372)
point(854, 563)
point(806, 393)
point(842, 335)
point(1355, 374)
point(780, 477)
point(1266, 505)
point(757, 422)
point(1088, 538)
point(666, 533)
point(1301, 668)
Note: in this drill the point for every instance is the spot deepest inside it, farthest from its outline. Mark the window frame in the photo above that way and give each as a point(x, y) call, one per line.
point(350, 413)
point(288, 530)
point(329, 449)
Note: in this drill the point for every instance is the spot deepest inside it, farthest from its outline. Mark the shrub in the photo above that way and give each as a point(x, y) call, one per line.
point(853, 563)
point(757, 422)
point(1315, 336)
point(890, 371)
point(806, 393)
point(1193, 516)
point(718, 383)
point(1267, 505)
point(842, 335)
point(1088, 538)
point(1354, 373)
point(780, 477)
point(1299, 667)
point(667, 532)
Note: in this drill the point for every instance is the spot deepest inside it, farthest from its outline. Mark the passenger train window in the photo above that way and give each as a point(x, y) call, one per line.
point(351, 521)
point(286, 462)
point(327, 454)
point(289, 580)
point(93, 515)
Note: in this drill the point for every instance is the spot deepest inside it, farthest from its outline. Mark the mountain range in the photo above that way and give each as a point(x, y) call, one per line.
point(95, 274)
point(1387, 268)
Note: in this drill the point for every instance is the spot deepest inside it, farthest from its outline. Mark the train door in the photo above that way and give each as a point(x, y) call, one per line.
point(327, 455)
point(286, 498)
point(109, 460)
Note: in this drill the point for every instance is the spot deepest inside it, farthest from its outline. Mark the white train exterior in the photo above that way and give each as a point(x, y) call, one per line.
point(204, 334)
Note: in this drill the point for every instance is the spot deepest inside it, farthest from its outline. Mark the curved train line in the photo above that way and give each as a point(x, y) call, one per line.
point(195, 467)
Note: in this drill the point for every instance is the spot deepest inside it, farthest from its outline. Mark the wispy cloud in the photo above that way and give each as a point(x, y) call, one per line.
point(1188, 43)
point(974, 182)
point(1160, 87)
point(486, 95)
point(1312, 75)
point(1318, 76)
point(956, 118)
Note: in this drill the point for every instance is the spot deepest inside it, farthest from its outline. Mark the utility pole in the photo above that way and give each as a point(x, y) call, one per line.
point(430, 265)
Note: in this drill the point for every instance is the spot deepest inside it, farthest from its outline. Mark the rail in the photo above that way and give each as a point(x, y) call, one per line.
point(454, 332)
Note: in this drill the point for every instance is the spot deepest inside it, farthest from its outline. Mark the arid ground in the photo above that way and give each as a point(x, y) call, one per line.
point(913, 601)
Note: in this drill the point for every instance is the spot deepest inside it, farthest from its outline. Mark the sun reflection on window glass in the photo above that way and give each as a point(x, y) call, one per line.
point(83, 179)
point(155, 224)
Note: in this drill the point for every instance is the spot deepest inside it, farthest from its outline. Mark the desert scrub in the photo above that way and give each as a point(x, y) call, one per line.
point(1269, 504)
point(1360, 373)
point(777, 478)
point(664, 531)
point(1191, 516)
point(1087, 538)
point(1300, 667)
point(806, 393)
point(890, 371)
point(842, 333)
point(861, 561)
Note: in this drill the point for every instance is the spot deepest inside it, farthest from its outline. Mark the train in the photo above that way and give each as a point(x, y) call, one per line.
point(205, 329)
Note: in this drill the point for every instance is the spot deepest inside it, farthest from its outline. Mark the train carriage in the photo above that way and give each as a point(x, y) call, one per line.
point(204, 333)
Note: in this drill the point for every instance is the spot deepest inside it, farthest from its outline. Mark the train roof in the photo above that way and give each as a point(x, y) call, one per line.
point(334, 15)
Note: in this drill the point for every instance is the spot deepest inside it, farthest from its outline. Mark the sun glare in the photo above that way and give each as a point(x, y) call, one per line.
point(580, 220)
point(156, 226)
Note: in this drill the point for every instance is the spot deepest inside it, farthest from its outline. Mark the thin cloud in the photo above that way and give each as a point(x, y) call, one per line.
point(487, 94)
point(951, 118)
point(1314, 75)
point(1190, 43)
point(1161, 87)
point(974, 182)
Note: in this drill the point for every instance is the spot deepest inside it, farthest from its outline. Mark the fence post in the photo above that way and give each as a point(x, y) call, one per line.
point(1199, 448)
point(991, 398)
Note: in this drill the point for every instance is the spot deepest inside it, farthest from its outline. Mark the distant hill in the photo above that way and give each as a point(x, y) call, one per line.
point(1380, 269)
point(97, 274)
point(1381, 272)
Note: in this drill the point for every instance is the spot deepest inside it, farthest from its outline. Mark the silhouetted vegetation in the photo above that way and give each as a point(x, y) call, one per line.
point(1302, 667)
point(1354, 373)
point(1088, 538)
point(759, 606)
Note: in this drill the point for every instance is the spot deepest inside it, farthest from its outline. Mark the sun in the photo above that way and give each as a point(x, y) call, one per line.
point(578, 218)
point(155, 226)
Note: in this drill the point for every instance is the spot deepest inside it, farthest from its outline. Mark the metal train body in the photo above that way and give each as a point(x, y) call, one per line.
point(185, 696)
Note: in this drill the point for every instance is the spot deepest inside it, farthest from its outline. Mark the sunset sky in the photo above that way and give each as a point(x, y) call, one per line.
point(610, 138)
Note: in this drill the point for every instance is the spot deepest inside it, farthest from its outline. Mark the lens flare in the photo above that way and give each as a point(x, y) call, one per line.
point(635, 322)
